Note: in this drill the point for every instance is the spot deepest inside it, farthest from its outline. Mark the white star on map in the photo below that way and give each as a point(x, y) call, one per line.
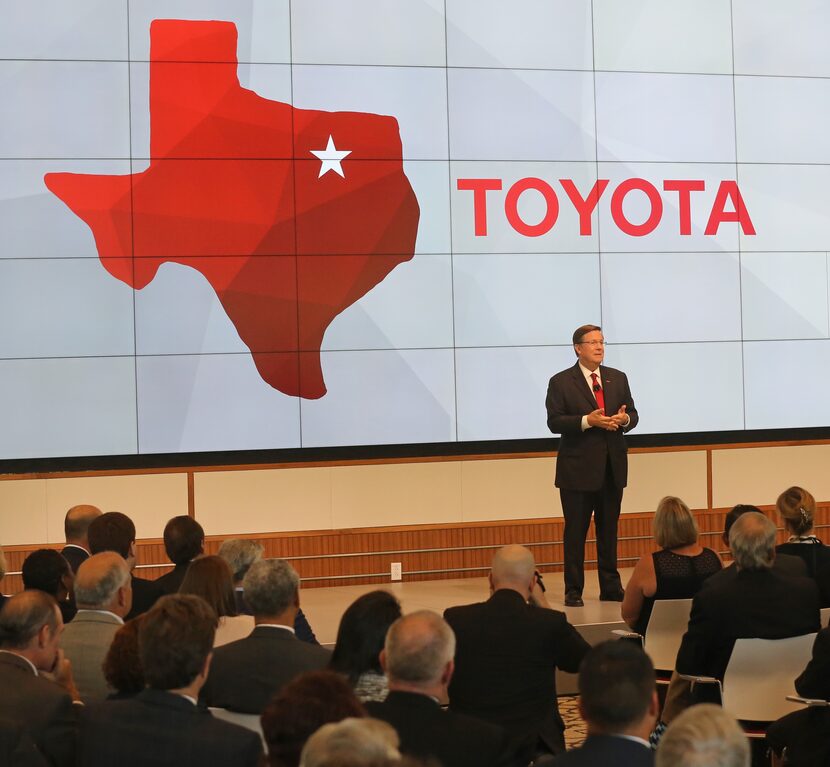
point(331, 157)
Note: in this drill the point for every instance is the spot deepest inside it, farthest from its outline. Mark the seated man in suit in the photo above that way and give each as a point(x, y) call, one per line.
point(618, 701)
point(704, 735)
point(184, 540)
point(418, 661)
point(115, 531)
point(163, 724)
point(245, 674)
point(104, 596)
point(75, 526)
point(35, 679)
point(508, 649)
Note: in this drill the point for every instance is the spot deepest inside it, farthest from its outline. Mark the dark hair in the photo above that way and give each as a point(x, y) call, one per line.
point(362, 632)
point(732, 515)
point(583, 330)
point(122, 665)
point(174, 640)
point(184, 539)
point(23, 615)
point(210, 578)
point(300, 708)
point(616, 685)
point(112, 531)
point(43, 569)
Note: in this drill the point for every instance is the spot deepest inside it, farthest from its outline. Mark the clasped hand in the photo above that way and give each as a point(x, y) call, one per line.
point(609, 423)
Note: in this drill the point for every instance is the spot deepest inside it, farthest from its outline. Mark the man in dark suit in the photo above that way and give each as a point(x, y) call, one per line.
point(35, 679)
point(245, 674)
point(591, 407)
point(418, 661)
point(507, 653)
point(184, 540)
point(75, 526)
point(115, 531)
point(163, 725)
point(618, 701)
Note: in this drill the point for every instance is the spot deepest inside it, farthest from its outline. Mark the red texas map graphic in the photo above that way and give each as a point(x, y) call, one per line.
point(291, 214)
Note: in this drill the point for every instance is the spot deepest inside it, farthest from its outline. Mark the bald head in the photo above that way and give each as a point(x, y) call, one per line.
point(102, 582)
point(513, 568)
point(752, 541)
point(418, 648)
point(77, 522)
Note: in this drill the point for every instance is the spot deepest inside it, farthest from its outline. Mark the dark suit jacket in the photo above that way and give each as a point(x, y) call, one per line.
point(607, 750)
point(506, 657)
point(170, 582)
point(761, 604)
point(816, 558)
point(145, 595)
point(784, 564)
point(17, 749)
point(583, 455)
point(806, 736)
point(814, 681)
point(43, 708)
point(164, 730)
point(455, 740)
point(75, 555)
point(244, 675)
point(302, 628)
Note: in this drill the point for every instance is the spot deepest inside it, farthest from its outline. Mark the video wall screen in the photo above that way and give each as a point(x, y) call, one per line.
point(262, 224)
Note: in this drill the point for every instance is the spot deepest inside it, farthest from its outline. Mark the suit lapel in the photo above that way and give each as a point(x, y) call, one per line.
point(582, 386)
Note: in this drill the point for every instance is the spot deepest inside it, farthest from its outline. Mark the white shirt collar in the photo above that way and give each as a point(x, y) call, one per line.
point(22, 657)
point(101, 612)
point(275, 626)
point(188, 697)
point(588, 373)
point(76, 546)
point(634, 738)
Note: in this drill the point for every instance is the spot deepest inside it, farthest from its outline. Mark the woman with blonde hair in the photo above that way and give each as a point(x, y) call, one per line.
point(676, 571)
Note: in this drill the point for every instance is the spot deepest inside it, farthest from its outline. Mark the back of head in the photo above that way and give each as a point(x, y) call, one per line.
point(513, 567)
point(174, 640)
point(271, 587)
point(732, 515)
point(122, 665)
point(616, 686)
point(184, 539)
point(798, 509)
point(703, 736)
point(300, 708)
point(22, 617)
point(210, 579)
point(752, 542)
point(112, 531)
point(45, 570)
point(99, 579)
point(418, 648)
point(77, 521)
point(362, 632)
point(674, 525)
point(240, 554)
point(352, 743)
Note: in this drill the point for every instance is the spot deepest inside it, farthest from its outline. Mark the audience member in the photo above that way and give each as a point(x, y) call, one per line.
point(163, 724)
point(17, 749)
point(210, 578)
point(3, 568)
point(247, 673)
point(352, 743)
point(418, 660)
point(47, 571)
point(618, 701)
point(507, 651)
point(704, 736)
point(75, 526)
point(36, 680)
point(184, 540)
point(677, 571)
point(115, 531)
point(104, 596)
point(240, 554)
point(122, 664)
point(360, 639)
point(304, 705)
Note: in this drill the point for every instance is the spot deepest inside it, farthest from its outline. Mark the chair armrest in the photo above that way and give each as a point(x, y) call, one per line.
point(625, 634)
point(810, 702)
point(696, 680)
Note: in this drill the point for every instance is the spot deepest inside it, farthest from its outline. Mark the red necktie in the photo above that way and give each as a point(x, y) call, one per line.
point(598, 393)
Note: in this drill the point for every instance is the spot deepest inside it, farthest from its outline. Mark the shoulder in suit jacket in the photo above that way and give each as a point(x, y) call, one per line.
point(784, 563)
point(605, 750)
point(245, 674)
point(145, 595)
point(164, 730)
point(427, 732)
point(86, 642)
point(506, 655)
point(170, 582)
point(17, 749)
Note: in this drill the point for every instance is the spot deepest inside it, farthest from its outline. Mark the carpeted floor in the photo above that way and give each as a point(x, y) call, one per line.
point(574, 724)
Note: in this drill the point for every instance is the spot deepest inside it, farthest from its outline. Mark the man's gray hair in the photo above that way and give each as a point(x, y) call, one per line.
point(23, 616)
point(240, 554)
point(752, 541)
point(270, 587)
point(418, 647)
point(703, 736)
point(354, 742)
point(99, 578)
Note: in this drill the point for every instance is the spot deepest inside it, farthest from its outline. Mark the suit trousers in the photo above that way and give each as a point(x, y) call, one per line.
point(577, 507)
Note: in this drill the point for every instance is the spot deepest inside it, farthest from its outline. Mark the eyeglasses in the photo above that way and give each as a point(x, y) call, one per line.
point(591, 343)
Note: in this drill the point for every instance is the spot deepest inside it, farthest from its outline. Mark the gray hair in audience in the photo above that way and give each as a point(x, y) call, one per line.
point(240, 554)
point(23, 615)
point(703, 736)
point(418, 647)
point(271, 586)
point(353, 742)
point(113, 573)
point(752, 541)
point(3, 565)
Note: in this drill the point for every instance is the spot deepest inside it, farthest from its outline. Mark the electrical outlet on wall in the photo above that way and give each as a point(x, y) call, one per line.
point(395, 571)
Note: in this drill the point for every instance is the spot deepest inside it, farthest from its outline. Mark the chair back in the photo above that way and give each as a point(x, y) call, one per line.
point(248, 721)
point(666, 627)
point(760, 675)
